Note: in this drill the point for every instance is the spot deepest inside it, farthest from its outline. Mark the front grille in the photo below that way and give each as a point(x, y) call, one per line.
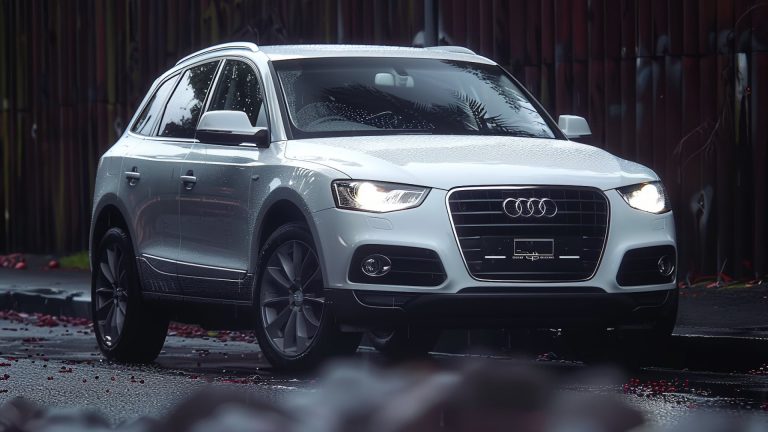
point(497, 247)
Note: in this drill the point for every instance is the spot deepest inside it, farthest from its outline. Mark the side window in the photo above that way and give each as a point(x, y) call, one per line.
point(239, 90)
point(183, 109)
point(143, 124)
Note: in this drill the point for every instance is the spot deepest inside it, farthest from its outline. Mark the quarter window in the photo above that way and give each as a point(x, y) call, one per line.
point(186, 103)
point(147, 118)
point(239, 90)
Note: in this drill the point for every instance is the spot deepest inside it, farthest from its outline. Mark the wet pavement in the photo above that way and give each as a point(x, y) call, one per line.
point(57, 364)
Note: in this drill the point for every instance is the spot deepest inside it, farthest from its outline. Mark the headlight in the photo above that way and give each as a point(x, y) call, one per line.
point(376, 197)
point(649, 197)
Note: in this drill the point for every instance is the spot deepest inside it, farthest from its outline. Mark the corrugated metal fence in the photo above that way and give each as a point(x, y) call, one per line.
point(679, 85)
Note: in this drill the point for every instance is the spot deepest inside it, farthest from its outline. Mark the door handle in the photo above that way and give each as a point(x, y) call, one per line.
point(132, 177)
point(189, 180)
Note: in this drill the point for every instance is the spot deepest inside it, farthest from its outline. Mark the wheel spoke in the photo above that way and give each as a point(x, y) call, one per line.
point(309, 265)
point(105, 270)
point(119, 318)
point(112, 262)
point(314, 276)
point(303, 266)
point(289, 335)
point(277, 275)
point(310, 315)
point(275, 301)
point(105, 292)
point(316, 300)
point(122, 305)
point(274, 328)
point(121, 276)
point(298, 260)
point(113, 322)
point(310, 319)
point(107, 304)
point(120, 265)
point(287, 264)
point(109, 319)
point(302, 338)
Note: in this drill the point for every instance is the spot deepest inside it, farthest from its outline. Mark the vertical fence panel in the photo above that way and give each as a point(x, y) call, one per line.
point(759, 94)
point(675, 84)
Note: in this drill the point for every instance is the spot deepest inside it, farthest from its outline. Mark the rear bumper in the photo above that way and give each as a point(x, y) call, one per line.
point(472, 309)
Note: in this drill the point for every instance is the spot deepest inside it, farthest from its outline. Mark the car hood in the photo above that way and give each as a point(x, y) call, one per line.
point(445, 162)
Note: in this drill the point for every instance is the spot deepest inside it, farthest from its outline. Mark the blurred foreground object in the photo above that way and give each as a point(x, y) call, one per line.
point(478, 396)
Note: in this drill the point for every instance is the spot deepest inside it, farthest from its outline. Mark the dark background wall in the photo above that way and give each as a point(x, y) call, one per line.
point(679, 85)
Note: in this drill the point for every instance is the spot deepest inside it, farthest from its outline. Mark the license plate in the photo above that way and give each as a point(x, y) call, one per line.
point(534, 248)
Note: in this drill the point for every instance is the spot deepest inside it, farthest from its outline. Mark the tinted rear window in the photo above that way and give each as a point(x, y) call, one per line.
point(147, 118)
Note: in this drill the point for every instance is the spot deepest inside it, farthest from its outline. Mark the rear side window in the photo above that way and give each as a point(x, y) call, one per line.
point(143, 124)
point(186, 103)
point(239, 90)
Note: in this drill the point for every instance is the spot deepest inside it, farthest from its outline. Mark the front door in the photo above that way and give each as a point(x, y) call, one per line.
point(215, 223)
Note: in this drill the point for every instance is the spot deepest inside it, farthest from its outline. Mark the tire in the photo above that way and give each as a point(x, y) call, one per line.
point(295, 328)
point(127, 328)
point(406, 342)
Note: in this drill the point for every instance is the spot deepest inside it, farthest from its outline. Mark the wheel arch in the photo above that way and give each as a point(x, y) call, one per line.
point(283, 205)
point(108, 213)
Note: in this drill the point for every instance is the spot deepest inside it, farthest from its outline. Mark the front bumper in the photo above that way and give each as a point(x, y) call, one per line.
point(640, 310)
point(338, 233)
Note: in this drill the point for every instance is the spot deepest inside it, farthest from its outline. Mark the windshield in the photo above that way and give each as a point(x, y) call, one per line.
point(370, 96)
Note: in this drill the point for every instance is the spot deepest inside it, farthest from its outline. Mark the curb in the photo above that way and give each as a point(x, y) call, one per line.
point(47, 301)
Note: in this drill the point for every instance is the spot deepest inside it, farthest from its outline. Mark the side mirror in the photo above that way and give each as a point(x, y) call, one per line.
point(573, 126)
point(231, 128)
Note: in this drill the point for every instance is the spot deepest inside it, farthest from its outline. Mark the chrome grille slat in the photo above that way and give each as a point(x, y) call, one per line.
point(482, 228)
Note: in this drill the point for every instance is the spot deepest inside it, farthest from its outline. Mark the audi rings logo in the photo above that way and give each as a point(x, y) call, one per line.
point(530, 207)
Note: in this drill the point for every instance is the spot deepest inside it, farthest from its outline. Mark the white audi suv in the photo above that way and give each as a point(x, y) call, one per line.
point(315, 193)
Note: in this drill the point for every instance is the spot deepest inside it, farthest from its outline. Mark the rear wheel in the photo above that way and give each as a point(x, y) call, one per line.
point(294, 327)
point(404, 342)
point(127, 329)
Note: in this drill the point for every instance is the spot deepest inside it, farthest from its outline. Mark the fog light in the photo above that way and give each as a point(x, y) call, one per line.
point(376, 265)
point(666, 267)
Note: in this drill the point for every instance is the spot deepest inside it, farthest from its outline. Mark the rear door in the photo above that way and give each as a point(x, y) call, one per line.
point(154, 170)
point(150, 191)
point(216, 230)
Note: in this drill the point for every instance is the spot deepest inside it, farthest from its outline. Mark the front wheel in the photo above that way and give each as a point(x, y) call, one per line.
point(294, 327)
point(127, 328)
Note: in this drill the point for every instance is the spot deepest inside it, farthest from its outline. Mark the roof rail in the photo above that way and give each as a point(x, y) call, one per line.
point(227, 46)
point(452, 48)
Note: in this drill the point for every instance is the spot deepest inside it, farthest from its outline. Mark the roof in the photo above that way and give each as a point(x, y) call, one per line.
point(284, 52)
